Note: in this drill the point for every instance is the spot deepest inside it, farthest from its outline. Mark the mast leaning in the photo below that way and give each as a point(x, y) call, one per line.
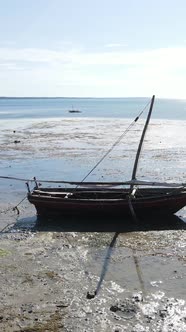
point(142, 139)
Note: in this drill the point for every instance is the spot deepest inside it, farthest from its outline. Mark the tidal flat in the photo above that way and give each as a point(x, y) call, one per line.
point(90, 275)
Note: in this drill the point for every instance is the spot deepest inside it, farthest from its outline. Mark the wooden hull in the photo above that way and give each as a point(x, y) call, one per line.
point(113, 202)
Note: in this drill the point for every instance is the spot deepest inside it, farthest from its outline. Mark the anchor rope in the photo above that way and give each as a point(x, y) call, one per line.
point(14, 208)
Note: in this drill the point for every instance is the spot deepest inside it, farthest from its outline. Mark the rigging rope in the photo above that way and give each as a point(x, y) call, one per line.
point(116, 142)
point(15, 208)
point(106, 184)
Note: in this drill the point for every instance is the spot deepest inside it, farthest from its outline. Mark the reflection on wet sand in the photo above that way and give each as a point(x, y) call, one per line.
point(120, 225)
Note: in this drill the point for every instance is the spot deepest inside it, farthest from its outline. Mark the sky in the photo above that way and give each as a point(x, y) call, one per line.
point(93, 48)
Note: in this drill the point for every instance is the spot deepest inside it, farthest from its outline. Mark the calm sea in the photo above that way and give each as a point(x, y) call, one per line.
point(20, 108)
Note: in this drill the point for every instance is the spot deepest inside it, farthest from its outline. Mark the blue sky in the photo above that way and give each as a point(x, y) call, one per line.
point(113, 48)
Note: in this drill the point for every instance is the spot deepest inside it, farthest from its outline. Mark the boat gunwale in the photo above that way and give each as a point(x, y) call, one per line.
point(135, 199)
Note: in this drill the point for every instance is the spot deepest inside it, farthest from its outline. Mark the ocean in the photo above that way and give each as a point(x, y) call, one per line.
point(34, 108)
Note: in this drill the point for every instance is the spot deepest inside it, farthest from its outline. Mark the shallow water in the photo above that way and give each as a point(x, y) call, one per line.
point(70, 148)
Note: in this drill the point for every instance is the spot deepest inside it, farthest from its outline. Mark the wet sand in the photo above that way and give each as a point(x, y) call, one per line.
point(49, 267)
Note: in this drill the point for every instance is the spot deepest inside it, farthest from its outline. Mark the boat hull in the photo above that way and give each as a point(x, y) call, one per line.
point(110, 203)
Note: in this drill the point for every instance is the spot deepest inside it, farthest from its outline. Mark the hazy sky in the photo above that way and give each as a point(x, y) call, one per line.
point(96, 48)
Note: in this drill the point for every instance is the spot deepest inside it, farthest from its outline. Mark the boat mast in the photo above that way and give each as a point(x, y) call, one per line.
point(141, 140)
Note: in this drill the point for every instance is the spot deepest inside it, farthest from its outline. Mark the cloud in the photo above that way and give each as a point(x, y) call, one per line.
point(109, 73)
point(114, 45)
point(158, 57)
point(163, 56)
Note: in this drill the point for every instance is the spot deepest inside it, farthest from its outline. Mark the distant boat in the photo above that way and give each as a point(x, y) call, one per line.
point(72, 110)
point(141, 198)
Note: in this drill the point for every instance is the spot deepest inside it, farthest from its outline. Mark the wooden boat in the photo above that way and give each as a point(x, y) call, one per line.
point(110, 202)
point(132, 198)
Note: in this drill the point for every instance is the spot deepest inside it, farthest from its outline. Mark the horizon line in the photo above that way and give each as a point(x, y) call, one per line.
point(64, 97)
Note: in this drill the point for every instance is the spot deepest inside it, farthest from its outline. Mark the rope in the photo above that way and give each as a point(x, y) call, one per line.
point(14, 178)
point(4, 228)
point(116, 143)
point(114, 184)
point(58, 181)
point(15, 208)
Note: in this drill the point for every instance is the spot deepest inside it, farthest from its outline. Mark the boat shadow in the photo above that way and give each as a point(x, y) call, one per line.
point(119, 225)
point(95, 224)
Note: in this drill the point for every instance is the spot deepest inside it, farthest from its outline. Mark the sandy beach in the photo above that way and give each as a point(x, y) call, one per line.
point(51, 269)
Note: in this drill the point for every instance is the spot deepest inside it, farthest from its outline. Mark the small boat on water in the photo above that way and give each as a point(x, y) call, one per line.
point(131, 198)
point(72, 110)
